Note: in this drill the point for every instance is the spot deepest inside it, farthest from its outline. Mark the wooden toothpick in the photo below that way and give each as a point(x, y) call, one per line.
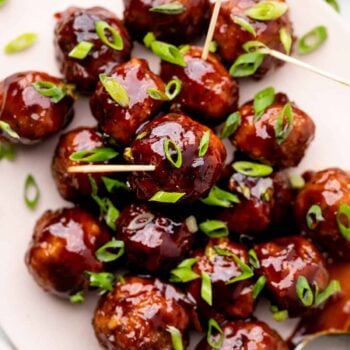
point(110, 168)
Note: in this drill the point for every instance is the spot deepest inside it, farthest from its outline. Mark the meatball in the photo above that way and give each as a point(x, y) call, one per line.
point(35, 105)
point(188, 157)
point(228, 299)
point(141, 17)
point(263, 201)
point(154, 242)
point(322, 210)
point(63, 249)
point(285, 262)
point(121, 122)
point(137, 313)
point(208, 91)
point(275, 138)
point(76, 25)
point(246, 336)
point(231, 36)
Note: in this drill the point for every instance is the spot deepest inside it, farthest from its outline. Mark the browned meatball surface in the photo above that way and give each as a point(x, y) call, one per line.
point(283, 262)
point(322, 210)
point(208, 91)
point(239, 335)
point(231, 36)
point(195, 174)
point(262, 139)
point(179, 28)
point(76, 25)
point(228, 299)
point(63, 249)
point(30, 114)
point(153, 241)
point(136, 314)
point(121, 122)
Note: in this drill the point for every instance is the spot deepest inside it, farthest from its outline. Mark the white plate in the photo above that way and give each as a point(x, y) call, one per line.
point(35, 320)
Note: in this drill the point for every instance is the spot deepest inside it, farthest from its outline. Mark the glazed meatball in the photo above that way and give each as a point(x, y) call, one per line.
point(208, 91)
point(137, 313)
point(246, 336)
point(154, 242)
point(321, 210)
point(284, 262)
point(121, 122)
point(179, 28)
point(228, 299)
point(274, 138)
point(231, 36)
point(173, 144)
point(31, 114)
point(76, 25)
point(63, 249)
point(263, 201)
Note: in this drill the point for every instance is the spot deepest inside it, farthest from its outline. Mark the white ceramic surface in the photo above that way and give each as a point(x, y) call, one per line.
point(35, 320)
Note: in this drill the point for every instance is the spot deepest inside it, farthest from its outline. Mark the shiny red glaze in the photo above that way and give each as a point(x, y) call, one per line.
point(135, 315)
point(196, 175)
point(122, 122)
point(329, 189)
point(229, 300)
point(179, 29)
point(31, 115)
point(258, 141)
point(208, 91)
point(63, 248)
point(282, 262)
point(230, 36)
point(252, 335)
point(153, 242)
point(75, 25)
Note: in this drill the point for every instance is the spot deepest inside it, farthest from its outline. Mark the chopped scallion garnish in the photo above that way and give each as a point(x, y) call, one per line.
point(103, 253)
point(100, 154)
point(115, 90)
point(31, 192)
point(49, 89)
point(172, 153)
point(81, 50)
point(21, 43)
point(206, 288)
point(214, 228)
point(117, 41)
point(312, 40)
point(215, 340)
point(167, 197)
point(173, 8)
point(267, 10)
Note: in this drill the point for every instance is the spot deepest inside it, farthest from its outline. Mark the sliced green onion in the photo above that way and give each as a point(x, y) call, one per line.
point(284, 123)
point(167, 197)
point(49, 89)
point(173, 89)
point(102, 280)
point(344, 212)
point(111, 213)
point(297, 182)
point(314, 216)
point(117, 41)
point(215, 344)
point(286, 40)
point(21, 43)
point(204, 144)
point(81, 50)
point(183, 272)
point(100, 154)
point(149, 39)
point(174, 8)
point(312, 40)
point(176, 338)
point(262, 100)
point(206, 289)
point(256, 46)
point(171, 149)
point(267, 10)
point(213, 46)
point(7, 151)
point(304, 291)
point(157, 95)
point(220, 198)
point(103, 254)
point(214, 228)
point(31, 192)
point(332, 288)
point(115, 90)
point(253, 259)
point(246, 273)
point(113, 184)
point(279, 315)
point(6, 128)
point(232, 123)
point(252, 169)
point(334, 4)
point(77, 298)
point(244, 24)
point(246, 64)
point(259, 286)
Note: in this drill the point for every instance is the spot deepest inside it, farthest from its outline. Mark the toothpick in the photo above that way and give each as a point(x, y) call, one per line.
point(211, 29)
point(109, 168)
